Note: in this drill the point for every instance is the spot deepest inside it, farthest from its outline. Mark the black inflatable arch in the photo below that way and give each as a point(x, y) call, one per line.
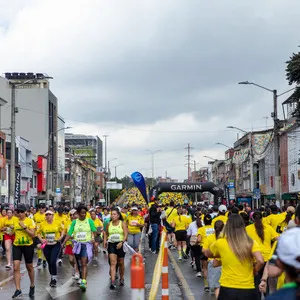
point(192, 187)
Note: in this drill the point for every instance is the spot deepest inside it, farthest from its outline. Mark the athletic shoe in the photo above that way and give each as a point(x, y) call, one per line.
point(79, 281)
point(39, 264)
point(122, 282)
point(83, 285)
point(44, 264)
point(199, 274)
point(59, 262)
point(53, 283)
point(112, 285)
point(73, 273)
point(174, 247)
point(184, 255)
point(180, 259)
point(104, 251)
point(17, 294)
point(153, 252)
point(76, 276)
point(192, 263)
point(8, 267)
point(31, 292)
point(206, 289)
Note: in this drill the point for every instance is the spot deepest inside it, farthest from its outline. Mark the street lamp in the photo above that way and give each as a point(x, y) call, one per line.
point(276, 133)
point(223, 145)
point(152, 163)
point(14, 110)
point(116, 169)
point(108, 167)
point(48, 160)
point(237, 128)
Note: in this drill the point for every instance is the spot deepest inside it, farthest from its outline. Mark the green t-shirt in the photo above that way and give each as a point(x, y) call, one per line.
point(72, 226)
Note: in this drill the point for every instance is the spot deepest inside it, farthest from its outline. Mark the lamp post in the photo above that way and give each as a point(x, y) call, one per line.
point(223, 145)
point(2, 103)
point(107, 193)
point(152, 163)
point(14, 110)
point(49, 156)
point(210, 158)
point(116, 169)
point(274, 115)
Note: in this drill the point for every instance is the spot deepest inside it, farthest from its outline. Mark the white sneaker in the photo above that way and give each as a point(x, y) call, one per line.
point(199, 274)
point(39, 267)
point(179, 258)
point(77, 276)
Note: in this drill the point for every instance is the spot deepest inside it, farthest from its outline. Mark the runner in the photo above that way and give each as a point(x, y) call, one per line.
point(8, 236)
point(99, 226)
point(135, 225)
point(24, 229)
point(38, 218)
point(237, 252)
point(69, 245)
point(50, 234)
point(83, 230)
point(115, 235)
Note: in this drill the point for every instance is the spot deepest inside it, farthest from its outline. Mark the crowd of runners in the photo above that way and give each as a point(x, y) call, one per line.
point(78, 233)
point(239, 252)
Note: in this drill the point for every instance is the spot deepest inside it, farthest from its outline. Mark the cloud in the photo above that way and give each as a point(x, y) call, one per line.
point(138, 68)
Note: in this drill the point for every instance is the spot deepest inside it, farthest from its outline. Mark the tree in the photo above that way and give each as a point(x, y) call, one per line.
point(293, 77)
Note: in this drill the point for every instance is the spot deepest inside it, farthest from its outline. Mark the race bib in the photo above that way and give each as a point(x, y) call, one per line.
point(209, 231)
point(114, 238)
point(50, 237)
point(80, 236)
point(9, 230)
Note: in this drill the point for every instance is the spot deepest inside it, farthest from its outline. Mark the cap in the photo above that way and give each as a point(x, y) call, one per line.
point(73, 211)
point(49, 212)
point(210, 206)
point(291, 209)
point(222, 208)
point(134, 208)
point(60, 210)
point(288, 248)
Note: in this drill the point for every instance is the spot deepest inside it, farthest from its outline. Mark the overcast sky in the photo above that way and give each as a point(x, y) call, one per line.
point(155, 74)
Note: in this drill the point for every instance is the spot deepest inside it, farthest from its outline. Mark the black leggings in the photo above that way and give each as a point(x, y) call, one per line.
point(51, 253)
point(196, 253)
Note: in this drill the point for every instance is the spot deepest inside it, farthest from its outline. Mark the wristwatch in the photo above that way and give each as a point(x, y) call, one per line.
point(25, 228)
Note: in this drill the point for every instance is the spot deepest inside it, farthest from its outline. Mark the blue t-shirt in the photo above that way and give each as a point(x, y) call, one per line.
point(284, 294)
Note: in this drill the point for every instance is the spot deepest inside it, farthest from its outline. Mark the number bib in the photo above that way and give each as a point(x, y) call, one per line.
point(134, 222)
point(81, 236)
point(50, 238)
point(114, 238)
point(209, 231)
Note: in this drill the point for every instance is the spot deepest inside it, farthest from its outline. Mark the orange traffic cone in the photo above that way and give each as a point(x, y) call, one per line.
point(137, 277)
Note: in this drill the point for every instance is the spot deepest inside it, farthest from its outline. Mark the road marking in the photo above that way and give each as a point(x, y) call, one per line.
point(186, 289)
point(65, 289)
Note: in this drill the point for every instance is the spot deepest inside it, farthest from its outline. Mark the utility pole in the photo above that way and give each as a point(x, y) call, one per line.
point(188, 148)
point(277, 182)
point(13, 146)
point(105, 152)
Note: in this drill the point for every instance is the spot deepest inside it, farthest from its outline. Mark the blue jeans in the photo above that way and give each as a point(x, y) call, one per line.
point(154, 235)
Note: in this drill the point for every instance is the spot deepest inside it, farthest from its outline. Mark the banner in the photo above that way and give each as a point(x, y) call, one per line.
point(139, 181)
point(18, 185)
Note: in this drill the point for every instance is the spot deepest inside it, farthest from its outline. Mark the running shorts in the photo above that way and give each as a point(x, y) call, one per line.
point(112, 249)
point(26, 251)
point(181, 235)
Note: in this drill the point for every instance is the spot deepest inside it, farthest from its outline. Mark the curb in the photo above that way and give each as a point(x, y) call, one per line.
point(184, 286)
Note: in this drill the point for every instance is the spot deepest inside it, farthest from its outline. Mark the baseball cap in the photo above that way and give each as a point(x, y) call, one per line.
point(288, 248)
point(134, 208)
point(73, 211)
point(222, 208)
point(49, 212)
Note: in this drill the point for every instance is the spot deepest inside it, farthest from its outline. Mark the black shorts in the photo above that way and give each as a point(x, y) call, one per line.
point(112, 249)
point(181, 235)
point(230, 293)
point(202, 256)
point(27, 251)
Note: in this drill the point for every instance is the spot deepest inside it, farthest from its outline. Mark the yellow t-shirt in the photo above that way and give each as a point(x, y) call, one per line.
point(208, 242)
point(131, 221)
point(235, 274)
point(181, 222)
point(9, 224)
point(171, 214)
point(51, 232)
point(274, 220)
point(60, 219)
point(269, 235)
point(2, 220)
point(67, 227)
point(124, 216)
point(219, 218)
point(97, 222)
point(22, 238)
point(204, 232)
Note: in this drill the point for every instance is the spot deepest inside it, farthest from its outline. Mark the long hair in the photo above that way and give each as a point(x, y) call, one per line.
point(259, 227)
point(238, 240)
point(207, 219)
point(288, 217)
point(219, 225)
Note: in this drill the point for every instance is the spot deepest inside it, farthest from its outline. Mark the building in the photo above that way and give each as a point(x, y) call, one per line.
point(87, 147)
point(3, 169)
point(36, 117)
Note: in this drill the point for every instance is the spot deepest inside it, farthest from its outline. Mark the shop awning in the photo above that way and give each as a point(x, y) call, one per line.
point(271, 197)
point(289, 196)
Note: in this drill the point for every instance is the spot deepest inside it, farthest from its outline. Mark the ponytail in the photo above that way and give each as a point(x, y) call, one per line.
point(288, 217)
point(257, 217)
point(219, 225)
